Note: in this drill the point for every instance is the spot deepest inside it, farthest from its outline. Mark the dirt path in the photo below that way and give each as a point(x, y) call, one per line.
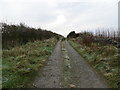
point(67, 69)
point(51, 73)
point(84, 75)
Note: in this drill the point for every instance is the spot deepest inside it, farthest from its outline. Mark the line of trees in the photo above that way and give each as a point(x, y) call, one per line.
point(100, 36)
point(108, 34)
point(13, 35)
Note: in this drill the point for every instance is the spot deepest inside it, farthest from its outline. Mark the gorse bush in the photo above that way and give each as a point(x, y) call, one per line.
point(13, 35)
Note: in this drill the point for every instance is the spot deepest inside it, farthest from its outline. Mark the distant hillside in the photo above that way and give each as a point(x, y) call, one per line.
point(13, 35)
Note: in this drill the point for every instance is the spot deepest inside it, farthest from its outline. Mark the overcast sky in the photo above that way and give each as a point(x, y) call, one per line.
point(61, 16)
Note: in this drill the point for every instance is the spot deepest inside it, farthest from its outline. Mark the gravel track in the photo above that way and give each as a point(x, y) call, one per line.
point(67, 69)
point(84, 75)
point(49, 76)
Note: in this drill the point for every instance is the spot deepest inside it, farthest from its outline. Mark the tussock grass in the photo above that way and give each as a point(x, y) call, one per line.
point(21, 64)
point(105, 59)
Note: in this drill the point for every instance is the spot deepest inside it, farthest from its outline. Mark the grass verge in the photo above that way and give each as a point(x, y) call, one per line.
point(21, 64)
point(105, 59)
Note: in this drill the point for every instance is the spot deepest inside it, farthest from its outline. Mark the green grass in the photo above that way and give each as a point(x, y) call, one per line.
point(104, 59)
point(21, 64)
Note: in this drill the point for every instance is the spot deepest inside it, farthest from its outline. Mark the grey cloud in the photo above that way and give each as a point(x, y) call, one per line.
point(75, 15)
